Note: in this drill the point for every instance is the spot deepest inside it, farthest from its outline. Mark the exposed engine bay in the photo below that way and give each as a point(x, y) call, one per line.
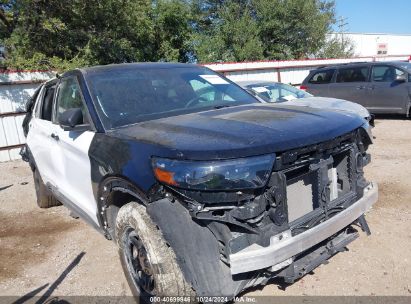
point(307, 187)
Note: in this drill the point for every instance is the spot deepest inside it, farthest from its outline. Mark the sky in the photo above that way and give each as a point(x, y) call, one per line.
point(375, 16)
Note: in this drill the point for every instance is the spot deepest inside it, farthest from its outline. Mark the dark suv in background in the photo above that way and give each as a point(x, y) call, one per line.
point(381, 87)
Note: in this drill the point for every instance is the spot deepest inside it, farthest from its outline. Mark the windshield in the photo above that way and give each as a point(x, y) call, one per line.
point(277, 92)
point(136, 93)
point(405, 65)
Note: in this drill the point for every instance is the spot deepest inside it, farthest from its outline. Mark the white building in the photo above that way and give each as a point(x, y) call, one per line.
point(374, 44)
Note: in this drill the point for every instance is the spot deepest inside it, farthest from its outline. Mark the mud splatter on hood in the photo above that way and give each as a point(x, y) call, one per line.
point(242, 130)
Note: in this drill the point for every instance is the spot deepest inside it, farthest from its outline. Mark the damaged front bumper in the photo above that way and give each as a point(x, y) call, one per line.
point(283, 248)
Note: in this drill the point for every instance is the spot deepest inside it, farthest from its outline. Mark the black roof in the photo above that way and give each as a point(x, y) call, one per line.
point(139, 65)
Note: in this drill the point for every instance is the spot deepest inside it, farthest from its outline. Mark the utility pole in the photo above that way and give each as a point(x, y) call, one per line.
point(342, 27)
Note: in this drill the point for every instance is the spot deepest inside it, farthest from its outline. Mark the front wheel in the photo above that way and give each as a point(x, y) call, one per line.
point(149, 264)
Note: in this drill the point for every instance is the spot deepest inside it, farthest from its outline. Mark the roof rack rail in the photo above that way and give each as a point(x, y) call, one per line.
point(340, 64)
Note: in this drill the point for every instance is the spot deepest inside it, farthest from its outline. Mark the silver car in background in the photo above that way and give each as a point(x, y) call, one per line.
point(269, 91)
point(381, 87)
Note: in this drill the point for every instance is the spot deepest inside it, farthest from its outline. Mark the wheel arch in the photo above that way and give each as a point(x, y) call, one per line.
point(113, 193)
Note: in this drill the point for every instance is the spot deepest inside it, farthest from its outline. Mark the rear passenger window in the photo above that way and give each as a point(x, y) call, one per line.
point(47, 105)
point(385, 73)
point(356, 74)
point(322, 77)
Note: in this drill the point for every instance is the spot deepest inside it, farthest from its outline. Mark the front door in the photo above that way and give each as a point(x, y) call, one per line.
point(386, 94)
point(73, 166)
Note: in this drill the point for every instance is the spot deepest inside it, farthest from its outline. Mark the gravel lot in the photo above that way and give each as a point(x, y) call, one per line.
point(48, 253)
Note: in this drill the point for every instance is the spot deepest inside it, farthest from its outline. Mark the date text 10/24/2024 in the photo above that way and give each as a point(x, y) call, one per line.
point(201, 299)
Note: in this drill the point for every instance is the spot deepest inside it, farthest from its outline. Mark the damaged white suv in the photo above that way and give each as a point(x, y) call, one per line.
point(205, 190)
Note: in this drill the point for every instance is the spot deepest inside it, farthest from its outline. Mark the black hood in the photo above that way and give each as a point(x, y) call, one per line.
point(240, 131)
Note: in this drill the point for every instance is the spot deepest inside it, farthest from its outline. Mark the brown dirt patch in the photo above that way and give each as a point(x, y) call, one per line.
point(25, 239)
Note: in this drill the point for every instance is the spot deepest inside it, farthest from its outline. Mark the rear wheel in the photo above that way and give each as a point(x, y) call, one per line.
point(149, 264)
point(44, 198)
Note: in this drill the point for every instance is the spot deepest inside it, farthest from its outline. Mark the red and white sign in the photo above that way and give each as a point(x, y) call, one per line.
point(382, 48)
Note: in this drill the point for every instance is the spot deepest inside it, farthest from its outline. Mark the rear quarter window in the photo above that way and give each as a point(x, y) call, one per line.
point(37, 104)
point(322, 77)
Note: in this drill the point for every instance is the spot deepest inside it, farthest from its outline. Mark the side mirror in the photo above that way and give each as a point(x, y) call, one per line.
point(71, 118)
point(401, 78)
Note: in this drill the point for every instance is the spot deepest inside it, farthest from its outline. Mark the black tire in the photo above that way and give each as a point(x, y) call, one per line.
point(149, 264)
point(44, 198)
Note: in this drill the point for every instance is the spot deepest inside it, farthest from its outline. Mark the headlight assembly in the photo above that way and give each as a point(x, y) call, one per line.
point(232, 174)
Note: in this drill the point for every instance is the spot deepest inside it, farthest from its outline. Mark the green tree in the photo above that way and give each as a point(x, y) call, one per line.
point(66, 34)
point(336, 46)
point(230, 35)
point(8, 16)
point(293, 29)
point(173, 31)
point(256, 29)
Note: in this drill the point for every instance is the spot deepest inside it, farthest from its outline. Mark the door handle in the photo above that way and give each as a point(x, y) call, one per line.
point(360, 87)
point(54, 136)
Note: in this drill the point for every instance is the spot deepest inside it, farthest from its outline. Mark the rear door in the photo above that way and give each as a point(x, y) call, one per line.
point(72, 159)
point(351, 84)
point(386, 94)
point(39, 138)
point(318, 83)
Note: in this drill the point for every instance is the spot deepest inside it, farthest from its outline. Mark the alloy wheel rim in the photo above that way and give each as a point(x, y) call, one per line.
point(138, 263)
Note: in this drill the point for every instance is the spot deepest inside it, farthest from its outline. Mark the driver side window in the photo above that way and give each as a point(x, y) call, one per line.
point(69, 97)
point(385, 73)
point(208, 92)
point(205, 90)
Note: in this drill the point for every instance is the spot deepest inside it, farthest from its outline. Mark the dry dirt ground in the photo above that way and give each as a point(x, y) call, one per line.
point(47, 253)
